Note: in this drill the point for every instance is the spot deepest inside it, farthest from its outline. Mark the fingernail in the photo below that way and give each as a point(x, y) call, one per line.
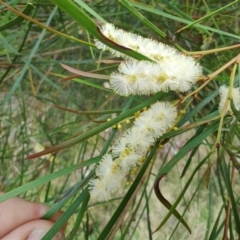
point(39, 233)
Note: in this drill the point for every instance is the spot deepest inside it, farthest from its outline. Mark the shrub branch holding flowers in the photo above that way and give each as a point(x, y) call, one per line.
point(148, 67)
point(131, 149)
point(168, 70)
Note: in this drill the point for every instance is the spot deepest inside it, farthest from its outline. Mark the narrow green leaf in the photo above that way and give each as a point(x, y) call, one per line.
point(187, 147)
point(45, 179)
point(70, 193)
point(231, 229)
point(212, 13)
point(90, 10)
point(27, 62)
point(106, 231)
point(126, 4)
point(192, 154)
point(210, 208)
point(188, 205)
point(174, 8)
point(79, 219)
point(135, 213)
point(199, 130)
point(148, 216)
point(91, 84)
point(87, 23)
point(27, 10)
point(198, 107)
point(235, 111)
point(103, 112)
point(164, 14)
point(96, 130)
point(83, 197)
point(169, 206)
point(214, 232)
point(172, 208)
point(226, 177)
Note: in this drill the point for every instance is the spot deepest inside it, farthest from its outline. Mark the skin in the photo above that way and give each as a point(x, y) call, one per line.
point(19, 217)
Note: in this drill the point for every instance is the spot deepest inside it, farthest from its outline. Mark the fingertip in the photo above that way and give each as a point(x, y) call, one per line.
point(34, 230)
point(38, 234)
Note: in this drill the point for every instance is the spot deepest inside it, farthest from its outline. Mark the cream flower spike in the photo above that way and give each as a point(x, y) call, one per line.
point(131, 149)
point(144, 78)
point(170, 69)
point(223, 91)
point(155, 50)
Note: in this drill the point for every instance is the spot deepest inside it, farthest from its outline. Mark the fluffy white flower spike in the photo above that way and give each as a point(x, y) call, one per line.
point(120, 37)
point(106, 166)
point(170, 69)
point(98, 190)
point(109, 179)
point(223, 91)
point(154, 50)
point(131, 149)
point(143, 77)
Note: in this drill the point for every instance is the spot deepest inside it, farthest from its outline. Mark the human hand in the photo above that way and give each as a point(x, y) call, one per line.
point(21, 220)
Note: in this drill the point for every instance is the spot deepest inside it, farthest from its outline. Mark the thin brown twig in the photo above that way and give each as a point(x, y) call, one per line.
point(125, 210)
point(234, 160)
point(52, 30)
point(210, 77)
point(205, 52)
point(228, 208)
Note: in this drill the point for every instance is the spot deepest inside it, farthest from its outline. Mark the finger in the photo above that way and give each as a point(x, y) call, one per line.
point(16, 211)
point(33, 230)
